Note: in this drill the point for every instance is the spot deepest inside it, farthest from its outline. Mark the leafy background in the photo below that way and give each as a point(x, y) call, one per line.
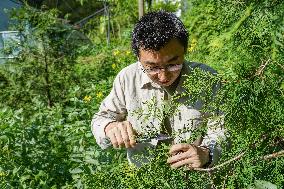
point(51, 90)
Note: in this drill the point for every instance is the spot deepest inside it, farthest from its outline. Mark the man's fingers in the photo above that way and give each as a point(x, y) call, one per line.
point(189, 158)
point(124, 134)
point(179, 157)
point(121, 134)
point(131, 134)
point(119, 138)
point(181, 163)
point(185, 154)
point(196, 164)
point(191, 162)
point(113, 140)
point(176, 148)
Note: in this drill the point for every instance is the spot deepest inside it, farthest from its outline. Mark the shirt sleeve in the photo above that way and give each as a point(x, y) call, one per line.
point(215, 125)
point(215, 134)
point(110, 109)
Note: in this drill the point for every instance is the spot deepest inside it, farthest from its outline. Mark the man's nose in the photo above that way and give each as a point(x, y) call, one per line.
point(163, 75)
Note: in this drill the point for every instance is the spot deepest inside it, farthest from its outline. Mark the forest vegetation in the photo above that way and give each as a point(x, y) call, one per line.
point(51, 90)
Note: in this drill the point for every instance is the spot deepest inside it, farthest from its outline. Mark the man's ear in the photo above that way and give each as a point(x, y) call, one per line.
point(184, 51)
point(138, 55)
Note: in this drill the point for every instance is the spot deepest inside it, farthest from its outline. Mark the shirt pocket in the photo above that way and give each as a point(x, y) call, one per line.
point(186, 120)
point(141, 113)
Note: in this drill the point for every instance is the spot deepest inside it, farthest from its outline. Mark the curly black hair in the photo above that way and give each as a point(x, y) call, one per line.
point(155, 29)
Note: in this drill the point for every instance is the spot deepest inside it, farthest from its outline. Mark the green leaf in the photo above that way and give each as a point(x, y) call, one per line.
point(25, 177)
point(92, 161)
point(15, 170)
point(262, 184)
point(4, 138)
point(76, 171)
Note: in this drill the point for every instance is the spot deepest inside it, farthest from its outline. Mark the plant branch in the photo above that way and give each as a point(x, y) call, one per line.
point(261, 68)
point(273, 155)
point(280, 65)
point(266, 157)
point(221, 165)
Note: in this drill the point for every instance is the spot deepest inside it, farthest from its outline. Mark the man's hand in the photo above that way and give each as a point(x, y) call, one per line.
point(188, 154)
point(121, 134)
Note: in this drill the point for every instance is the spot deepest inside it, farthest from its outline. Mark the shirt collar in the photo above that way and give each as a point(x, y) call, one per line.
point(184, 72)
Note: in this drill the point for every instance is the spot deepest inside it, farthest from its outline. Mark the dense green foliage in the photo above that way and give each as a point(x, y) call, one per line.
point(46, 140)
point(45, 63)
point(244, 41)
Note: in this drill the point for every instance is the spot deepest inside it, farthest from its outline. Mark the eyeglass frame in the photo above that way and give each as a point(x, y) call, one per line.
point(167, 67)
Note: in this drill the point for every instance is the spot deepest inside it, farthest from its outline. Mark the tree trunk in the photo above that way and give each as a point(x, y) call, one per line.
point(141, 8)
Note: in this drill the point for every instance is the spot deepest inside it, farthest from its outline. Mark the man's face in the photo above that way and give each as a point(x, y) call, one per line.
point(164, 66)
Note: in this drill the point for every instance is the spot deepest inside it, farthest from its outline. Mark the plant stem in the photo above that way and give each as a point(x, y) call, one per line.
point(46, 76)
point(266, 157)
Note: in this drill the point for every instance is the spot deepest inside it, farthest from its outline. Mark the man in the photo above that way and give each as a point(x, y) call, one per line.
point(159, 41)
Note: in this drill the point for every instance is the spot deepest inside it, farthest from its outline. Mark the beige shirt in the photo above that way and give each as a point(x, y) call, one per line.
point(132, 91)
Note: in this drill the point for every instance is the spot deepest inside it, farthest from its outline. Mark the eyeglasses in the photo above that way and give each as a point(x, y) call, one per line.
point(169, 68)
